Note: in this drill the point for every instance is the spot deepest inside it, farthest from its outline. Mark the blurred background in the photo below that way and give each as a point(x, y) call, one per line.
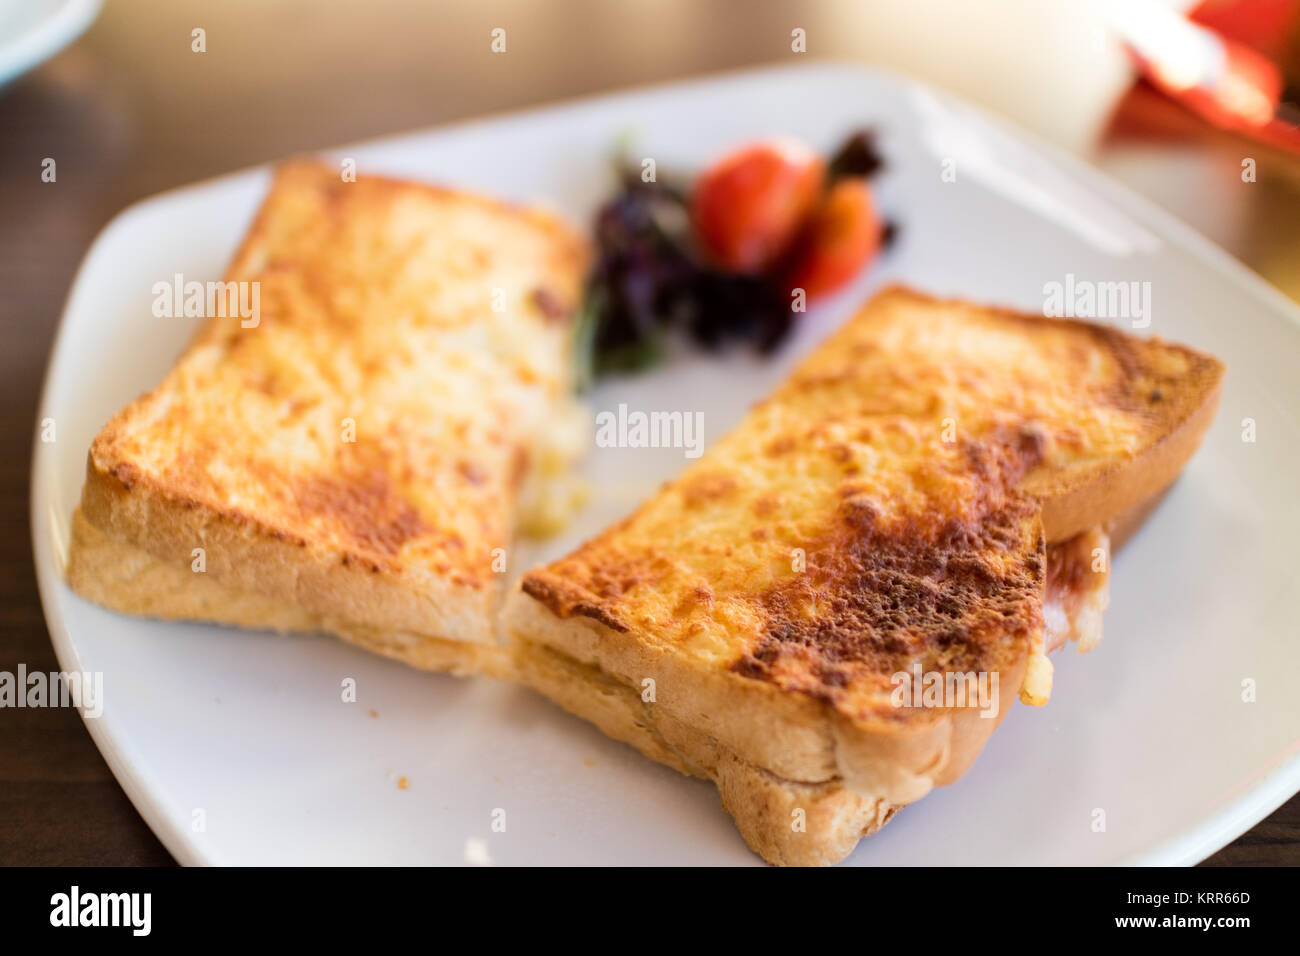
point(1170, 97)
point(130, 109)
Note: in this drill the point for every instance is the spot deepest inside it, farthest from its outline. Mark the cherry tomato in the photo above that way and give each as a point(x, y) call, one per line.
point(843, 235)
point(749, 207)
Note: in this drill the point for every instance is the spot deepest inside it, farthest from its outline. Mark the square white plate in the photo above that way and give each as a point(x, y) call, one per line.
point(249, 728)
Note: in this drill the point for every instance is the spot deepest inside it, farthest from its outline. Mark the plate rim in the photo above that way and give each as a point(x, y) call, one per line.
point(1251, 806)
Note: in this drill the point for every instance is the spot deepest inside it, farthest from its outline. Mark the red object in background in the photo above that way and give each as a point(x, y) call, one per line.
point(1262, 25)
point(1219, 62)
point(1247, 94)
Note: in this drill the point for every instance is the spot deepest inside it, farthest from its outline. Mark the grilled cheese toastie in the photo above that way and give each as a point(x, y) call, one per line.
point(357, 460)
point(929, 493)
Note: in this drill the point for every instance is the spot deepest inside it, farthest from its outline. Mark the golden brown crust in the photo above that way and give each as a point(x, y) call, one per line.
point(358, 450)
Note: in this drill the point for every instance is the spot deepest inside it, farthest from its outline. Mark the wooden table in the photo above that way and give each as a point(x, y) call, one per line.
point(130, 110)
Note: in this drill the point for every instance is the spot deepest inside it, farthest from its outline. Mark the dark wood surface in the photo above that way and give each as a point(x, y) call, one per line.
point(129, 110)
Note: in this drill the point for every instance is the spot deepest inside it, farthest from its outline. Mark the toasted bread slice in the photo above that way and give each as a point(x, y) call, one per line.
point(354, 457)
point(887, 511)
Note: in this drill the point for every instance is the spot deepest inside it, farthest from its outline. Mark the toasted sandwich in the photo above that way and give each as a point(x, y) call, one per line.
point(924, 505)
point(358, 457)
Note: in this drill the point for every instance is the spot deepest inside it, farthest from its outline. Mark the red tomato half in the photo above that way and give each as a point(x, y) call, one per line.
point(748, 208)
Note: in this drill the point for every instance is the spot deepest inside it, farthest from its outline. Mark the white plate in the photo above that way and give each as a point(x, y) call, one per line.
point(1151, 728)
point(32, 31)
